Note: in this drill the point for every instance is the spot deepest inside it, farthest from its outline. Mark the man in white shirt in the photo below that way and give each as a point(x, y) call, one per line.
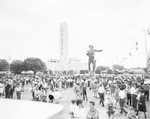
point(133, 96)
point(132, 90)
point(101, 92)
point(122, 96)
point(73, 106)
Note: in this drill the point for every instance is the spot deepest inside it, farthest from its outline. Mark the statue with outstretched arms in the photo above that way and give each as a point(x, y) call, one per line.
point(91, 54)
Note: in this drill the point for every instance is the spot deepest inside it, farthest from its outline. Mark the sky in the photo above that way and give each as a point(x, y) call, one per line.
point(30, 28)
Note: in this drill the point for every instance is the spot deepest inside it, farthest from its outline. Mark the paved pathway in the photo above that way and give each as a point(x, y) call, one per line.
point(68, 95)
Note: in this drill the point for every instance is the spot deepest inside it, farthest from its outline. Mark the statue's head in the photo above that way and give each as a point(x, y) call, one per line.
point(91, 46)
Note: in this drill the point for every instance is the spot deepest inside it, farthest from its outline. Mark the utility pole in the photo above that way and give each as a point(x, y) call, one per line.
point(146, 31)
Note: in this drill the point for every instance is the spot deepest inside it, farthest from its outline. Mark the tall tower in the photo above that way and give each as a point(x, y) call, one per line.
point(63, 46)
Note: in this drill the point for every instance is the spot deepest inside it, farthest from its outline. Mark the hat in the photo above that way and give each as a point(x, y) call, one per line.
point(133, 109)
point(91, 46)
point(51, 97)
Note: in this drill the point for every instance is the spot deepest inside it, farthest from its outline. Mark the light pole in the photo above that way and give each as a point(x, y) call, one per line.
point(146, 32)
point(9, 61)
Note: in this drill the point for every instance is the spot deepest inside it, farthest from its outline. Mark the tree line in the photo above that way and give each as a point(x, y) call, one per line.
point(36, 65)
point(17, 66)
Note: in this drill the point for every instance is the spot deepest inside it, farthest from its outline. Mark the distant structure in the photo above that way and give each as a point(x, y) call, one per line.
point(73, 64)
point(76, 64)
point(65, 63)
point(63, 46)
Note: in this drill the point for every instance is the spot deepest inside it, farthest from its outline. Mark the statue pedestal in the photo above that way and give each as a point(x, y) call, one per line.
point(91, 73)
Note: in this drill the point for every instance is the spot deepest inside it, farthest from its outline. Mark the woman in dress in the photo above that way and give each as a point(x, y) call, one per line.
point(79, 92)
point(1, 88)
point(110, 105)
point(18, 91)
point(142, 104)
point(95, 89)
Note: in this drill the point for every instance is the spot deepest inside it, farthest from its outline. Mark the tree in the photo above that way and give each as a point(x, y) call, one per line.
point(34, 64)
point(4, 65)
point(119, 67)
point(17, 66)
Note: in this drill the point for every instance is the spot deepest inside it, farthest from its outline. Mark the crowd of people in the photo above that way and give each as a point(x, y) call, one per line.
point(125, 91)
point(43, 87)
point(110, 91)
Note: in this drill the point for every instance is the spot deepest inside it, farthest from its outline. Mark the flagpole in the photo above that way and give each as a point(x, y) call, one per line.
point(146, 49)
point(9, 61)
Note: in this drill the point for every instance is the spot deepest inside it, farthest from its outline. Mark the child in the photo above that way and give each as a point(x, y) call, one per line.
point(78, 92)
point(110, 105)
point(132, 114)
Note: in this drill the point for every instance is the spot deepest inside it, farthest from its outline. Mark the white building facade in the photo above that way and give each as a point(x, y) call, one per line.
point(52, 64)
point(76, 64)
point(73, 64)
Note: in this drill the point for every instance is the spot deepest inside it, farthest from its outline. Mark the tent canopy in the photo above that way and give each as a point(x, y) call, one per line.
point(27, 72)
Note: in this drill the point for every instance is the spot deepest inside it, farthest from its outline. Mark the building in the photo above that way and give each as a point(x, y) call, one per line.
point(65, 63)
point(63, 46)
point(52, 64)
point(73, 64)
point(76, 64)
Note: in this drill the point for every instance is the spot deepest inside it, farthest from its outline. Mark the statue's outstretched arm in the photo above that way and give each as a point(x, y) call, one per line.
point(98, 50)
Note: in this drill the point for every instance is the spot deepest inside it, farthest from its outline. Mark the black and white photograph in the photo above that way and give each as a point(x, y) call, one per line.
point(74, 59)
